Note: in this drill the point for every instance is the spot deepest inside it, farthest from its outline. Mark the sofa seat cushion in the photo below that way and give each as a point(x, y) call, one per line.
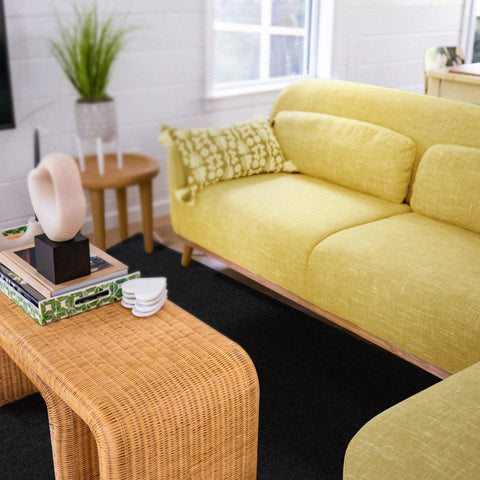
point(270, 223)
point(410, 280)
point(447, 186)
point(432, 435)
point(359, 155)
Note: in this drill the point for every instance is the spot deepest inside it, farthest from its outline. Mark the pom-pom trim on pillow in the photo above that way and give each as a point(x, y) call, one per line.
point(215, 154)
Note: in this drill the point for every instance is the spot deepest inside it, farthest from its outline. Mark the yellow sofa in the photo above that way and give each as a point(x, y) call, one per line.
point(378, 230)
point(433, 435)
point(396, 258)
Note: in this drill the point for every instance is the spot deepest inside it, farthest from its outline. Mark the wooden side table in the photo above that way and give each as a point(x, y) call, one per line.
point(137, 170)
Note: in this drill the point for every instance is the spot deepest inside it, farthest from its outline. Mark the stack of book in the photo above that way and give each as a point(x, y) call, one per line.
point(47, 302)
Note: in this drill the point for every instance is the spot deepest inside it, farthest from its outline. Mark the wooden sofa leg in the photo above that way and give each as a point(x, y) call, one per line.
point(187, 255)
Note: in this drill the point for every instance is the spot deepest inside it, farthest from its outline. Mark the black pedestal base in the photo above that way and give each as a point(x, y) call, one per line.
point(62, 261)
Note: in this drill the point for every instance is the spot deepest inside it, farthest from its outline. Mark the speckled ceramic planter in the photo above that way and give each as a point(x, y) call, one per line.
point(96, 120)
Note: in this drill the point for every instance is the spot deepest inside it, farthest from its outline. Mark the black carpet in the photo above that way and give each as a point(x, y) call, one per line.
point(318, 385)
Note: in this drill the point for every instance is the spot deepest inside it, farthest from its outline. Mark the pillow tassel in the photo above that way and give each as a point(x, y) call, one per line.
point(165, 137)
point(184, 195)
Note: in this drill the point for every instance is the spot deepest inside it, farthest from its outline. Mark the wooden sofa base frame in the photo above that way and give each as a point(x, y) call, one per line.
point(323, 315)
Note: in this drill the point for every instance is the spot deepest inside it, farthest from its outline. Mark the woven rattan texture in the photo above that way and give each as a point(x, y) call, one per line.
point(161, 397)
point(14, 385)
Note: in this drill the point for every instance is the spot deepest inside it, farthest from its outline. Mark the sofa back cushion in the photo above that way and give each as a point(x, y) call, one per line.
point(447, 186)
point(427, 120)
point(355, 154)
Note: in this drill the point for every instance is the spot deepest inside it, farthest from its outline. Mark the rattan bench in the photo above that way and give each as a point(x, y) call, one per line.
point(161, 397)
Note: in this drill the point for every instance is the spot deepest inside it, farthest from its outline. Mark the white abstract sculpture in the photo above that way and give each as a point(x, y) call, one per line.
point(57, 196)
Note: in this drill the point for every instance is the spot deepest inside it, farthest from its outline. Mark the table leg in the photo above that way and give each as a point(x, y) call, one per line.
point(97, 205)
point(75, 453)
point(14, 384)
point(147, 214)
point(122, 212)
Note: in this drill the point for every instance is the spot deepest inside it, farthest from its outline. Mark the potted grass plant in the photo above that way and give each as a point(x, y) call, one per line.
point(86, 51)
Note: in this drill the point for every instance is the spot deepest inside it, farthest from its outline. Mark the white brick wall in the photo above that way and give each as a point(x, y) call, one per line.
point(382, 42)
point(159, 78)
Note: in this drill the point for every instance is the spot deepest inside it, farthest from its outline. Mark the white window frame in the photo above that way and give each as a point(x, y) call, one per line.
point(319, 32)
point(468, 27)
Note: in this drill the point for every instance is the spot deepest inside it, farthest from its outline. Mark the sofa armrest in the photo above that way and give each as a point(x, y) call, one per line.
point(433, 435)
point(177, 177)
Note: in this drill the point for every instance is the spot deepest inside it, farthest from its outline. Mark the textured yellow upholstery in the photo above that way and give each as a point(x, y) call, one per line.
point(402, 276)
point(407, 279)
point(359, 155)
point(434, 435)
point(422, 118)
point(258, 207)
point(447, 186)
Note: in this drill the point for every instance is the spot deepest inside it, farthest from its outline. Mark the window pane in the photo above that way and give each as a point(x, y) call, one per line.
point(238, 11)
point(286, 56)
point(237, 56)
point(476, 45)
point(288, 13)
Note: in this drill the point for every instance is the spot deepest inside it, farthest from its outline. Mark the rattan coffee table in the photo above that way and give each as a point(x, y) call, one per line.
point(161, 397)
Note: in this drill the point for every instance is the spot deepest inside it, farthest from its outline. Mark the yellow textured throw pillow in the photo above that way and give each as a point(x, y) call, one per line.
point(447, 186)
point(358, 155)
point(210, 155)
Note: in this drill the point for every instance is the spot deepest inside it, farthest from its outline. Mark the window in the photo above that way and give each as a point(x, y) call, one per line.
point(470, 30)
point(476, 41)
point(257, 43)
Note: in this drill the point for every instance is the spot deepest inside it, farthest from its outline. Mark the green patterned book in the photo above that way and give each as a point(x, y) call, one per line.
point(53, 309)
